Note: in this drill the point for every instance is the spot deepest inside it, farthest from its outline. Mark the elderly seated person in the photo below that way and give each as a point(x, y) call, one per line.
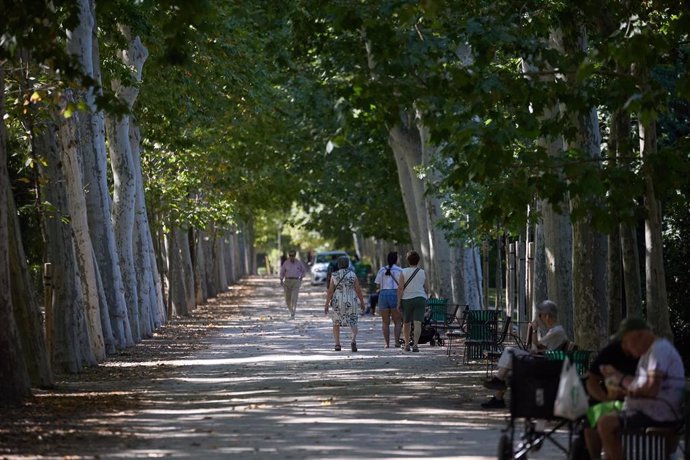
point(553, 338)
point(653, 395)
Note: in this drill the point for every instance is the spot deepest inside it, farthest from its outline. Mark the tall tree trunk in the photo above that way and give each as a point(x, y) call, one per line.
point(619, 145)
point(82, 127)
point(27, 312)
point(632, 279)
point(655, 276)
point(124, 178)
point(187, 268)
point(615, 284)
point(589, 246)
point(149, 313)
point(71, 164)
point(219, 268)
point(178, 252)
point(472, 276)
point(406, 146)
point(70, 350)
point(199, 261)
point(14, 384)
point(98, 200)
point(439, 246)
point(539, 279)
point(556, 230)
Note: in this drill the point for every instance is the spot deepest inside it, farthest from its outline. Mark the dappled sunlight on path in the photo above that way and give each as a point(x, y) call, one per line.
point(263, 386)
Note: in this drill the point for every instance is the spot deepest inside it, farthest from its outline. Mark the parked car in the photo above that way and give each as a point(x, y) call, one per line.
point(319, 270)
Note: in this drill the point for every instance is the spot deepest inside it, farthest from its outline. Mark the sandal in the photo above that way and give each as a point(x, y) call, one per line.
point(354, 346)
point(337, 348)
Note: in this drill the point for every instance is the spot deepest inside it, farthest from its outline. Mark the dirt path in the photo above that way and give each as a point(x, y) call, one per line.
point(240, 380)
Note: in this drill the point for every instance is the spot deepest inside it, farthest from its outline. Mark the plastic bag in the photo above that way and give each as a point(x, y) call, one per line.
point(571, 398)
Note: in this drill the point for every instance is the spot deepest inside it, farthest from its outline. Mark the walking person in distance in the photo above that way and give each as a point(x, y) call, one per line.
point(387, 283)
point(412, 295)
point(344, 293)
point(291, 273)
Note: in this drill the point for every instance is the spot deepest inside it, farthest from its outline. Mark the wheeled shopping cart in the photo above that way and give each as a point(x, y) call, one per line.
point(533, 386)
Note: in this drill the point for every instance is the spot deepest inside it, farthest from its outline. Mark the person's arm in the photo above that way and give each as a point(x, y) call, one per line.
point(303, 269)
point(401, 288)
point(282, 273)
point(329, 295)
point(358, 291)
point(647, 390)
point(594, 389)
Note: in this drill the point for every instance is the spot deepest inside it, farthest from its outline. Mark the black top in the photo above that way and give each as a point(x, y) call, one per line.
point(613, 355)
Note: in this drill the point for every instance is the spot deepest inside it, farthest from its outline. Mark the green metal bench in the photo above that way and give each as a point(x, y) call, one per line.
point(441, 316)
point(580, 358)
point(481, 333)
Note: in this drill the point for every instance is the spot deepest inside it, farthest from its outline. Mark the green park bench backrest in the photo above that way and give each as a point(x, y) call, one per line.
point(438, 309)
point(579, 357)
point(482, 325)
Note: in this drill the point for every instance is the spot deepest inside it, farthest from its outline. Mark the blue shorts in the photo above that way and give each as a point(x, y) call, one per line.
point(388, 299)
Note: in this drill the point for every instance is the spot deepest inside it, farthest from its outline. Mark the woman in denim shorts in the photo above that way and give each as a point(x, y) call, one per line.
point(387, 284)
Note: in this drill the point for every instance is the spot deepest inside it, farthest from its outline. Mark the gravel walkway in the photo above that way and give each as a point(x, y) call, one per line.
point(263, 386)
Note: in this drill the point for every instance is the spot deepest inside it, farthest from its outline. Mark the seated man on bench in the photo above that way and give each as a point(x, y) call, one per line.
point(554, 338)
point(653, 395)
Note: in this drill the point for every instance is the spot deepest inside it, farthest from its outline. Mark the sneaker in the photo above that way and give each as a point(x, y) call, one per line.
point(397, 344)
point(337, 348)
point(354, 346)
point(495, 384)
point(494, 403)
point(415, 349)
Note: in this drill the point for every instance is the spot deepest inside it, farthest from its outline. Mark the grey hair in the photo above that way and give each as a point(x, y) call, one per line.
point(343, 262)
point(548, 307)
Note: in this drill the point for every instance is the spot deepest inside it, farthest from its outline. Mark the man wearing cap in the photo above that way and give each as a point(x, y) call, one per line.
point(291, 273)
point(652, 395)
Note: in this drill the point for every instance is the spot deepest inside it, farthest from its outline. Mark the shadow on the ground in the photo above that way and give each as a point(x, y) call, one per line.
point(238, 378)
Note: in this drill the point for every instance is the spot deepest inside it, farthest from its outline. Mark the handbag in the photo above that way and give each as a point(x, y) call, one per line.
point(571, 399)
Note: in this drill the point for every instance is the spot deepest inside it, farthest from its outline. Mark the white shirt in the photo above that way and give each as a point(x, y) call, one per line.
point(415, 287)
point(554, 338)
point(386, 281)
point(662, 359)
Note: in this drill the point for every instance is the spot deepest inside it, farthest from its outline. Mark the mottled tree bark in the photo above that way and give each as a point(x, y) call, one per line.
point(14, 384)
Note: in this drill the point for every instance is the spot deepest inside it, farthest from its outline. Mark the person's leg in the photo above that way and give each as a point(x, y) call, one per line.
point(418, 317)
point(406, 334)
point(397, 324)
point(354, 329)
point(385, 325)
point(295, 296)
point(608, 428)
point(336, 334)
point(291, 287)
point(288, 294)
point(417, 332)
point(592, 442)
